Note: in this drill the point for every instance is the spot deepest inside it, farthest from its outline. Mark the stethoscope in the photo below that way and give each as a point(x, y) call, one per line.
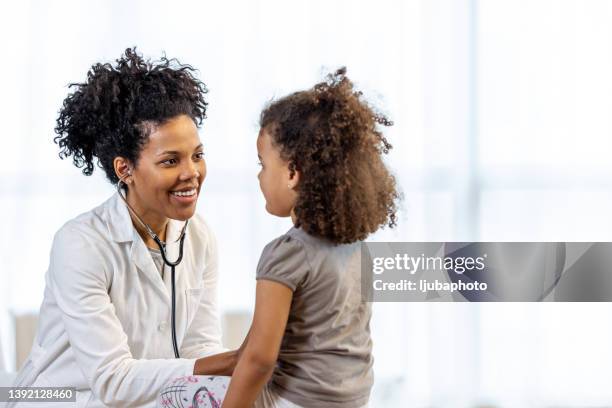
point(162, 250)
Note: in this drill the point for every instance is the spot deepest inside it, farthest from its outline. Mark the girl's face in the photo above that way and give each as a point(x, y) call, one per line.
point(276, 181)
point(166, 182)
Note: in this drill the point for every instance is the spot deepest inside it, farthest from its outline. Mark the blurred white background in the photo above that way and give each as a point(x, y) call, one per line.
point(503, 123)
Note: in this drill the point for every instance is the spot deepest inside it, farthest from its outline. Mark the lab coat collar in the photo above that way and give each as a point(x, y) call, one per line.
point(122, 230)
point(119, 221)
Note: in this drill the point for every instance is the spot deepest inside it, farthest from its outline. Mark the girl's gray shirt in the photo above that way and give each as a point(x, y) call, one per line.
point(325, 357)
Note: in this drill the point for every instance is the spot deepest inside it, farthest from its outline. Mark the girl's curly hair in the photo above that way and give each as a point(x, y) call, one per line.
point(331, 136)
point(113, 113)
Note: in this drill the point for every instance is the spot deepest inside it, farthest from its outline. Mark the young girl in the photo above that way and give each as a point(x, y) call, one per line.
point(309, 344)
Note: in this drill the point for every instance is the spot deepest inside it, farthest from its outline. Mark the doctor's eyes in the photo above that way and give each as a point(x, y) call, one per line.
point(173, 161)
point(169, 162)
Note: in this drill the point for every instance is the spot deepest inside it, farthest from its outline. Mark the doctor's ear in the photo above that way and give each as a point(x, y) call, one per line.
point(123, 169)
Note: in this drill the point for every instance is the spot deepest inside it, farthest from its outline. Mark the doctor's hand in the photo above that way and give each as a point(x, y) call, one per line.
point(218, 364)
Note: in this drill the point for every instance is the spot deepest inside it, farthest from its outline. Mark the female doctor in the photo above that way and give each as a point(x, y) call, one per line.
point(106, 323)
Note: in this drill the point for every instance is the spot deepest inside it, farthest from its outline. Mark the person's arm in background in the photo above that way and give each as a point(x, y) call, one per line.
point(258, 359)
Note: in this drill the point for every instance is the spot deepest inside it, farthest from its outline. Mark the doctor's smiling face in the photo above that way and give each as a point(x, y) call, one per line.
point(168, 175)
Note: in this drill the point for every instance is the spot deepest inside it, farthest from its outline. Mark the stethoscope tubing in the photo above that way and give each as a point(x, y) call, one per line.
point(172, 265)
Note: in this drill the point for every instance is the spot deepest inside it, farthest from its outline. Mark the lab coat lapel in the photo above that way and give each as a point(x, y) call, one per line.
point(121, 229)
point(118, 219)
point(144, 262)
point(142, 257)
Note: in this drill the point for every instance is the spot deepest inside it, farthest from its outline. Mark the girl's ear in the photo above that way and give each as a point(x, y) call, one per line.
point(294, 176)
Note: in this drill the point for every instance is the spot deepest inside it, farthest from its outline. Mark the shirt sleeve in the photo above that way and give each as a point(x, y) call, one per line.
point(79, 281)
point(203, 336)
point(284, 260)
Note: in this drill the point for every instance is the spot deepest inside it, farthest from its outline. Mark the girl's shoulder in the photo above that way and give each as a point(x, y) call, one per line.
point(297, 243)
point(284, 260)
point(289, 244)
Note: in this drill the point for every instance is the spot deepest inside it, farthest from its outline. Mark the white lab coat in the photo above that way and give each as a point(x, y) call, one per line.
point(104, 324)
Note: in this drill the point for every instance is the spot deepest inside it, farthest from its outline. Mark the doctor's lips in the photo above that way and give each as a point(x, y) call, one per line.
point(185, 195)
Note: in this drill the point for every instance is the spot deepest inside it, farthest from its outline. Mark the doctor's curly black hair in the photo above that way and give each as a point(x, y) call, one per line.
point(115, 110)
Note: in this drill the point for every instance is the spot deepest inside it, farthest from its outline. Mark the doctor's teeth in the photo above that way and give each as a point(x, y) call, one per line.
point(184, 193)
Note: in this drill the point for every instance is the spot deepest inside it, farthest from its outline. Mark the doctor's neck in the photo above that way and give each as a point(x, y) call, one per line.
point(155, 221)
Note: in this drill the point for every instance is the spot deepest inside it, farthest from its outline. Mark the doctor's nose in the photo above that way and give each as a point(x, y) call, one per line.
point(189, 172)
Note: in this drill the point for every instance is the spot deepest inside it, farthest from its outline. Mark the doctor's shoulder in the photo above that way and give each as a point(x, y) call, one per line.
point(82, 243)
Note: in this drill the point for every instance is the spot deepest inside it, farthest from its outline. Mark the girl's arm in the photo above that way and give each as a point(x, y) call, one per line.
point(257, 361)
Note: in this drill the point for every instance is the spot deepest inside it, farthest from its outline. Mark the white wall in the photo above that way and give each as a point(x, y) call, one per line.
point(502, 132)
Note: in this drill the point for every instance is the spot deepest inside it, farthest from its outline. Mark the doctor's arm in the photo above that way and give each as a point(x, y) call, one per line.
point(203, 337)
point(79, 276)
point(257, 361)
point(220, 364)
